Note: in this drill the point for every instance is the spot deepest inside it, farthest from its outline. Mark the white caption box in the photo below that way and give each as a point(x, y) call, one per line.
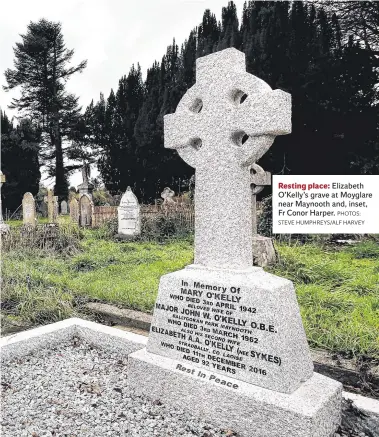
point(326, 204)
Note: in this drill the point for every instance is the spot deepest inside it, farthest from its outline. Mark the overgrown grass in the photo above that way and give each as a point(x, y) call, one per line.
point(337, 289)
point(338, 293)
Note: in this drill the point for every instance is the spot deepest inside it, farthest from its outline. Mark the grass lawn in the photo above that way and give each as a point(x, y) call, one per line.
point(338, 290)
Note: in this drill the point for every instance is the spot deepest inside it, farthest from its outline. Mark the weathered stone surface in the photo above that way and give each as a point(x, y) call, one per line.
point(64, 210)
point(243, 325)
point(168, 198)
point(313, 410)
point(74, 210)
point(129, 217)
point(29, 210)
point(85, 210)
point(263, 251)
point(52, 206)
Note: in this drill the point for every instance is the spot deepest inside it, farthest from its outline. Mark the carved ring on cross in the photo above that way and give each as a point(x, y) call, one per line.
point(229, 115)
point(258, 178)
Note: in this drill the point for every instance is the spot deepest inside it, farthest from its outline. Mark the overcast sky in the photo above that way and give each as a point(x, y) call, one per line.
point(110, 34)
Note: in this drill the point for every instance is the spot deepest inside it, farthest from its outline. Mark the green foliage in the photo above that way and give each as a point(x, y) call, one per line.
point(43, 96)
point(366, 249)
point(63, 239)
point(20, 147)
point(338, 294)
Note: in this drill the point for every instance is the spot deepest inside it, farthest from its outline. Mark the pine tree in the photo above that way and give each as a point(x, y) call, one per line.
point(41, 71)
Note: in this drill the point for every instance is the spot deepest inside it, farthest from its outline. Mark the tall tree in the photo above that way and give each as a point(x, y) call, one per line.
point(41, 70)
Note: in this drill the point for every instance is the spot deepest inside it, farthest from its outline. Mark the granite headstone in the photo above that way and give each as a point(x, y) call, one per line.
point(227, 341)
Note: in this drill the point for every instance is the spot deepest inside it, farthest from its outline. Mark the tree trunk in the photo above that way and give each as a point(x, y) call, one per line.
point(61, 185)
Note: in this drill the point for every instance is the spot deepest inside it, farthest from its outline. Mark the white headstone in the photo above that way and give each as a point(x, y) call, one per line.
point(227, 339)
point(129, 219)
point(28, 210)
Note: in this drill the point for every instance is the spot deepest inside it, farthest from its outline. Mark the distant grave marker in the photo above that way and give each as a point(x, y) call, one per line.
point(129, 218)
point(29, 210)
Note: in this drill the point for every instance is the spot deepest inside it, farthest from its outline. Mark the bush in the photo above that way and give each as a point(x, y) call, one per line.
point(366, 249)
point(50, 237)
point(160, 227)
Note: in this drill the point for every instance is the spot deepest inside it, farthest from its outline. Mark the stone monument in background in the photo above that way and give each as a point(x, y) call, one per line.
point(4, 228)
point(74, 210)
point(85, 187)
point(85, 210)
point(64, 210)
point(129, 217)
point(227, 341)
point(52, 206)
point(263, 247)
point(168, 198)
point(29, 210)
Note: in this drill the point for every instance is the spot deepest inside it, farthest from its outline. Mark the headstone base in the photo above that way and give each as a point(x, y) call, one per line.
point(263, 251)
point(126, 237)
point(313, 410)
point(4, 228)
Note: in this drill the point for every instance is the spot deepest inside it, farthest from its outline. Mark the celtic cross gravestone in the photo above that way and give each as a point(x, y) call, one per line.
point(226, 339)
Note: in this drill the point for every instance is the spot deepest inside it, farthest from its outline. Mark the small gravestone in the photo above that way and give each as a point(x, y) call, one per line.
point(29, 210)
point(64, 210)
point(74, 210)
point(4, 228)
point(85, 210)
point(263, 247)
point(168, 198)
point(129, 219)
point(52, 206)
point(227, 341)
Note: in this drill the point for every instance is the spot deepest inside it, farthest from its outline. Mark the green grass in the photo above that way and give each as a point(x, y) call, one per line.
point(338, 294)
point(337, 289)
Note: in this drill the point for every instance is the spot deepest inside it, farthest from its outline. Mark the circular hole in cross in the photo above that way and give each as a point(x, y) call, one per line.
point(239, 138)
point(239, 97)
point(196, 143)
point(196, 106)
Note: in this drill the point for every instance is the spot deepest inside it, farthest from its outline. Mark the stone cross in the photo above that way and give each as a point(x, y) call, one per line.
point(167, 196)
point(259, 179)
point(52, 202)
point(222, 125)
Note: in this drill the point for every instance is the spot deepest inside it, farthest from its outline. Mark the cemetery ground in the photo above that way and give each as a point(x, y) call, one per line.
point(337, 287)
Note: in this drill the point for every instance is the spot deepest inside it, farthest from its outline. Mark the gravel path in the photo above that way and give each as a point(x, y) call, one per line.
point(78, 391)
